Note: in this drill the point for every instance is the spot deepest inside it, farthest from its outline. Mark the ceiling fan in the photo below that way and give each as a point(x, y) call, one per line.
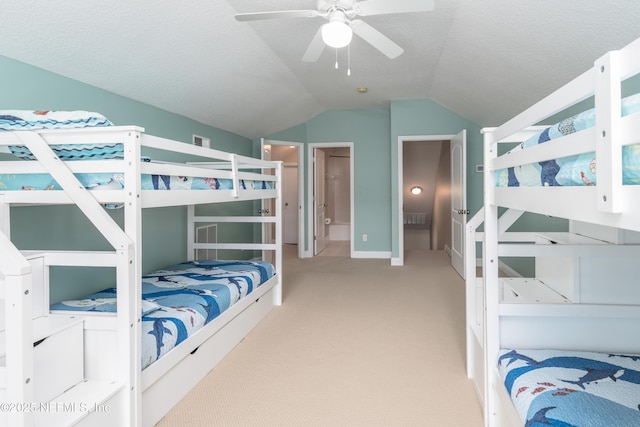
point(343, 22)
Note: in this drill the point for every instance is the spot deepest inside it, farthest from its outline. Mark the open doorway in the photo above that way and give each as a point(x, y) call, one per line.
point(457, 195)
point(427, 195)
point(331, 207)
point(291, 155)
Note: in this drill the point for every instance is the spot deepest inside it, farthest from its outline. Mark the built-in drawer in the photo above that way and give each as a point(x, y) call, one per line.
point(57, 358)
point(58, 362)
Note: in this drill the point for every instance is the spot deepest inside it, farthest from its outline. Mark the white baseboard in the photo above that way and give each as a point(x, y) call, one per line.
point(371, 254)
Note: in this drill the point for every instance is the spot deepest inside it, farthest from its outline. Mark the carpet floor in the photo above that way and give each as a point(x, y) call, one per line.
point(356, 342)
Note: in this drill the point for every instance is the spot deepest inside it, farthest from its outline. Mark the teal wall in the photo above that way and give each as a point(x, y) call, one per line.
point(368, 130)
point(26, 87)
point(425, 117)
point(374, 133)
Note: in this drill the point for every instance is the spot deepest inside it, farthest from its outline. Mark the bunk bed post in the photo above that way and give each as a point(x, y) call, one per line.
point(277, 296)
point(473, 287)
point(19, 337)
point(129, 282)
point(191, 235)
point(5, 217)
point(490, 274)
point(17, 293)
point(234, 172)
point(608, 132)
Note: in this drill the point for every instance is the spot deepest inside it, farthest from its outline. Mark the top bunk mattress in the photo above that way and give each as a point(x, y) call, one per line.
point(21, 120)
point(579, 170)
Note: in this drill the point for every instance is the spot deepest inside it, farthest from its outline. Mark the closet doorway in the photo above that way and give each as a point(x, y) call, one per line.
point(427, 183)
point(331, 205)
point(291, 156)
point(457, 211)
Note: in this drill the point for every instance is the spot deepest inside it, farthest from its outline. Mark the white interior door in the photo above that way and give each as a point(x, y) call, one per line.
point(458, 200)
point(320, 204)
point(290, 204)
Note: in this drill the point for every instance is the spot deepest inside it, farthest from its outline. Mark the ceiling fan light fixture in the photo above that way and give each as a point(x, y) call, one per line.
point(336, 34)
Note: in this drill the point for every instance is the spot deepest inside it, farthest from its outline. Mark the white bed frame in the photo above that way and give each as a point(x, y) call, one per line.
point(565, 306)
point(88, 370)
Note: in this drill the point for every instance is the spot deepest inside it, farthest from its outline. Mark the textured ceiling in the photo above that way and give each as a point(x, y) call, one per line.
point(484, 59)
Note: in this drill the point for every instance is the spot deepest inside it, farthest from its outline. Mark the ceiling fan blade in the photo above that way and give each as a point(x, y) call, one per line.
point(381, 7)
point(315, 49)
point(256, 16)
point(376, 39)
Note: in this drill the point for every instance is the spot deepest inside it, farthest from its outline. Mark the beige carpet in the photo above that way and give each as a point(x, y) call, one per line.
point(355, 343)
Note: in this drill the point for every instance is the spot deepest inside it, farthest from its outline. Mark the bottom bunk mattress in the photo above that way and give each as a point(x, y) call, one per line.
point(572, 388)
point(181, 299)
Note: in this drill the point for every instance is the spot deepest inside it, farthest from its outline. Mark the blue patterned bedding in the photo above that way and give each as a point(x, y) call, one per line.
point(571, 388)
point(35, 120)
point(115, 181)
point(577, 170)
point(181, 299)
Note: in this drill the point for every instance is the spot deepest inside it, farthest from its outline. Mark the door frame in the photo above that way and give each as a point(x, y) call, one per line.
point(399, 261)
point(300, 147)
point(310, 191)
point(459, 213)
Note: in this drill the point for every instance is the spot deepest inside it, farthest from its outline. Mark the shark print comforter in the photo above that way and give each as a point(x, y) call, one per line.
point(16, 120)
point(181, 299)
point(579, 170)
point(570, 388)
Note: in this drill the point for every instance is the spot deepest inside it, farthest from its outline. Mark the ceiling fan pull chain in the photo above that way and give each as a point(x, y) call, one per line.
point(348, 60)
point(336, 59)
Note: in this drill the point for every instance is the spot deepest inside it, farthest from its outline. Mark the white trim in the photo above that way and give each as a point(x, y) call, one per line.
point(311, 147)
point(371, 254)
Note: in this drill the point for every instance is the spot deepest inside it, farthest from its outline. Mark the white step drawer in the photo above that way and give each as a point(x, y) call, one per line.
point(58, 363)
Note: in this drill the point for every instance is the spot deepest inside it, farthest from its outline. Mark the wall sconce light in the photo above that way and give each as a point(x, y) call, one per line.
point(416, 190)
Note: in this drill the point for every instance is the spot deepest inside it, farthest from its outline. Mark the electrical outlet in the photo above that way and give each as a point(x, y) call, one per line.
point(364, 237)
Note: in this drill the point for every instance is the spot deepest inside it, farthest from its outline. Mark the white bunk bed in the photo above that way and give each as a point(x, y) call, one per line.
point(86, 368)
point(582, 309)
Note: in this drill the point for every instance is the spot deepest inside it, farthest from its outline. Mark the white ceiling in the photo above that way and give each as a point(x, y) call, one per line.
point(484, 59)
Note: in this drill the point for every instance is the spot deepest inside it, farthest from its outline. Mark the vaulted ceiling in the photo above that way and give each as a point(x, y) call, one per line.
point(483, 59)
